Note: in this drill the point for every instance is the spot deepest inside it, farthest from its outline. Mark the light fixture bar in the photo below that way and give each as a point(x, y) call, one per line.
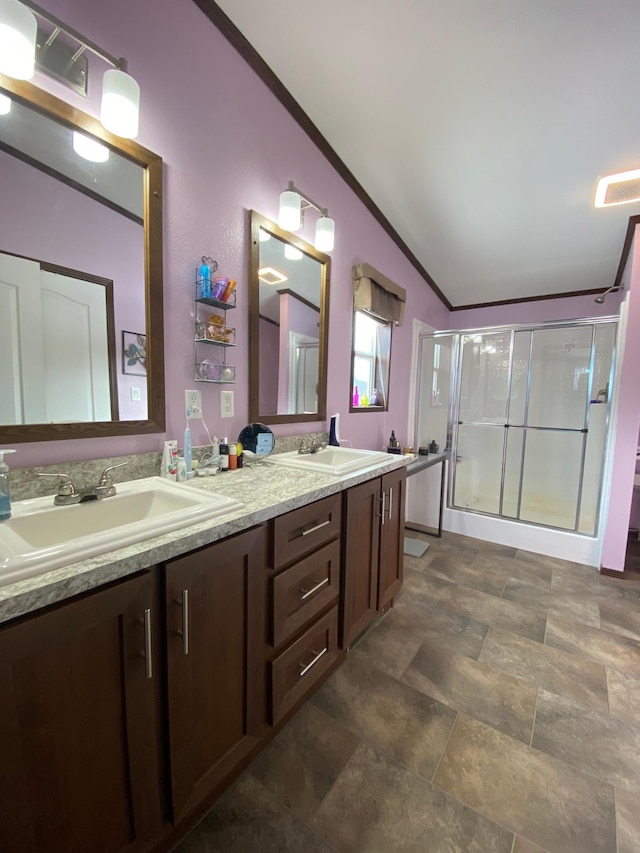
point(85, 43)
point(307, 202)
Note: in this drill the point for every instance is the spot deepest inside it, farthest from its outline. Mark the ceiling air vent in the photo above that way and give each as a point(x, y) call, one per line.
point(618, 189)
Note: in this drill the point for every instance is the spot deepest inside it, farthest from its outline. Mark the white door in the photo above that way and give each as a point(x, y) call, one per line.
point(53, 346)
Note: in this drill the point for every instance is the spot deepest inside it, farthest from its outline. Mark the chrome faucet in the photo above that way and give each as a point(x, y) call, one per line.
point(314, 447)
point(68, 494)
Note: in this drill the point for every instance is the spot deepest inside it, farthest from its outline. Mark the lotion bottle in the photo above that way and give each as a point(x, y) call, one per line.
point(5, 490)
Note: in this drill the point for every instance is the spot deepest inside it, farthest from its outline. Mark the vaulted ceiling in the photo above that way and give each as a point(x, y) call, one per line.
point(479, 129)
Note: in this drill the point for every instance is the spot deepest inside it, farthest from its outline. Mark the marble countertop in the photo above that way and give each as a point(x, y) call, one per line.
point(265, 490)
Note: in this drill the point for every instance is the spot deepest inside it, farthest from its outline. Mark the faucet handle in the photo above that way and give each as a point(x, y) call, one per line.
point(65, 485)
point(105, 477)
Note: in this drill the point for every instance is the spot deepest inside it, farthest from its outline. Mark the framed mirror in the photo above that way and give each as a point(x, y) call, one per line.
point(288, 326)
point(80, 266)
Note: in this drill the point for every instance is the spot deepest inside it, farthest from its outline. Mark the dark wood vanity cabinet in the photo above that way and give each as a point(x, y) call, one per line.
point(215, 665)
point(304, 598)
point(373, 547)
point(79, 732)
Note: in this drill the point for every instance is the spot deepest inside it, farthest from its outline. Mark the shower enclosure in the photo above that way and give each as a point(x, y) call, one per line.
point(524, 413)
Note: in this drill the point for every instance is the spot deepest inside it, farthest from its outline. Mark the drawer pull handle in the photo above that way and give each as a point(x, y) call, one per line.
point(309, 592)
point(316, 527)
point(146, 654)
point(184, 632)
point(316, 658)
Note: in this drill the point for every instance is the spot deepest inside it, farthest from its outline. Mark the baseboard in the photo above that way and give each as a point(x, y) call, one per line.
point(624, 575)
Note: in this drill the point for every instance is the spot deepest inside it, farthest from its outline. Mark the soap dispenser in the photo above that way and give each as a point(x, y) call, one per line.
point(334, 437)
point(5, 491)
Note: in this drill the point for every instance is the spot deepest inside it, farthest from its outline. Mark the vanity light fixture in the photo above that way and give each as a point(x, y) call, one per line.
point(291, 253)
point(5, 105)
point(293, 204)
point(18, 30)
point(89, 148)
point(30, 34)
point(263, 235)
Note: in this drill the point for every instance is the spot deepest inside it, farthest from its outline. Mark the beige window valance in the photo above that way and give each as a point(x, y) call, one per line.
point(377, 294)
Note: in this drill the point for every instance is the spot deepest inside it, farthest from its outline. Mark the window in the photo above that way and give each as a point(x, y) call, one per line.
point(371, 352)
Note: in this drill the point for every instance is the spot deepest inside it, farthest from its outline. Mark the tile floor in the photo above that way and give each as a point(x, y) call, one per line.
point(495, 708)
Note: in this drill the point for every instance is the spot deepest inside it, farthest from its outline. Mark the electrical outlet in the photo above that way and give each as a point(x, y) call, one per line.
point(193, 403)
point(226, 404)
point(135, 395)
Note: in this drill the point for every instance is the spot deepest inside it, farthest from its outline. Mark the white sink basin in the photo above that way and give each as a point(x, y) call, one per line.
point(40, 536)
point(333, 460)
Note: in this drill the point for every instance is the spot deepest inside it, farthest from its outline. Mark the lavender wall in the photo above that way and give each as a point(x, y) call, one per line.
point(200, 111)
point(541, 311)
point(269, 357)
point(49, 221)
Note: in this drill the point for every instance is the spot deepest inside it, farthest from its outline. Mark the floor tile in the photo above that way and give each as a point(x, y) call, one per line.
point(509, 615)
point(551, 562)
point(458, 633)
point(389, 647)
point(531, 572)
point(628, 821)
point(427, 588)
point(378, 807)
point(390, 716)
point(594, 742)
point(249, 818)
point(624, 695)
point(552, 601)
point(612, 650)
point(303, 761)
point(522, 845)
point(449, 569)
point(500, 700)
point(533, 794)
point(618, 619)
point(552, 669)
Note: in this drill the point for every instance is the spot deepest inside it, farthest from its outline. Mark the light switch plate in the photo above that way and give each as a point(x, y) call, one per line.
point(226, 404)
point(135, 395)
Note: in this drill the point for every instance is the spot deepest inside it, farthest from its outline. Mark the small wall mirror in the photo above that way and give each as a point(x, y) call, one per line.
point(80, 276)
point(289, 321)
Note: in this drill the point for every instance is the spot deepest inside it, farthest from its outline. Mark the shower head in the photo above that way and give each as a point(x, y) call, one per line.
point(614, 288)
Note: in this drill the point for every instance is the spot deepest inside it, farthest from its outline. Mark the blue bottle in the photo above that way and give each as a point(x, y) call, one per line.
point(205, 279)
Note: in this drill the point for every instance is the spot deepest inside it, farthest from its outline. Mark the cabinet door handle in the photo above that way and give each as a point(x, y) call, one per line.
point(313, 662)
point(148, 643)
point(309, 592)
point(390, 500)
point(184, 631)
point(383, 499)
point(317, 527)
point(146, 654)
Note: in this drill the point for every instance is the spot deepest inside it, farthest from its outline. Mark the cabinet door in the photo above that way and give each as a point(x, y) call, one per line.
point(392, 536)
point(360, 565)
point(78, 733)
point(216, 670)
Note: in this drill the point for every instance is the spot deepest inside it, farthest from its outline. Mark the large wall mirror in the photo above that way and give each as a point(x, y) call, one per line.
point(289, 321)
point(81, 321)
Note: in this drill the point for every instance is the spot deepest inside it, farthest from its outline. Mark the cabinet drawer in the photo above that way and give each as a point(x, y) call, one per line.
point(304, 530)
point(303, 664)
point(303, 590)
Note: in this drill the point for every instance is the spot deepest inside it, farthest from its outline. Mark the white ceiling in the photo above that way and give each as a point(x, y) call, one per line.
point(478, 127)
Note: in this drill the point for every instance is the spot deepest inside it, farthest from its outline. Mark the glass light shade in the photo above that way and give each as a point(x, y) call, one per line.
point(120, 103)
point(292, 253)
point(89, 148)
point(325, 234)
point(263, 235)
point(18, 31)
point(289, 212)
point(5, 105)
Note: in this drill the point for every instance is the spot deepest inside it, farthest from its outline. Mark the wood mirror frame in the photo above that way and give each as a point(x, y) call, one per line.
point(65, 114)
point(257, 222)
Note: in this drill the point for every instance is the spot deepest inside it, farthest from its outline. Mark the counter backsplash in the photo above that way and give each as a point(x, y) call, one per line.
point(25, 482)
